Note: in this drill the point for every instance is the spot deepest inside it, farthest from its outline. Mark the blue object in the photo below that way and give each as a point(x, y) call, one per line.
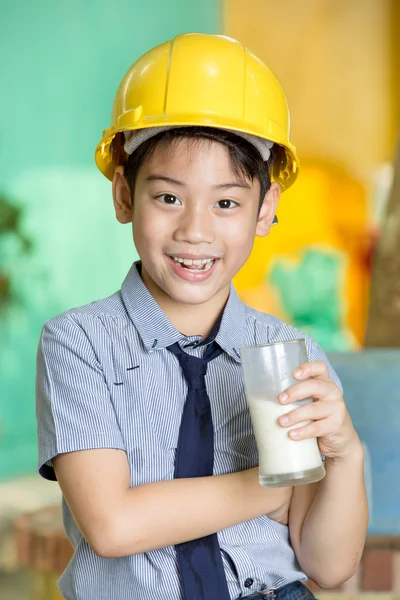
point(371, 382)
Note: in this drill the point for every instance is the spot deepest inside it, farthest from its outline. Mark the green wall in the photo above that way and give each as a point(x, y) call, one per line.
point(61, 64)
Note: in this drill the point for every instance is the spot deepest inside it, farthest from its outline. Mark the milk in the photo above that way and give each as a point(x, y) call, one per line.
point(278, 454)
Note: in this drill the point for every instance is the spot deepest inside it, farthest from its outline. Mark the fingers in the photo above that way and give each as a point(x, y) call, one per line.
point(326, 417)
point(316, 429)
point(309, 412)
point(311, 388)
point(316, 368)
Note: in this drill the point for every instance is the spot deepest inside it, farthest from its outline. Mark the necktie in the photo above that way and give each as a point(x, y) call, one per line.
point(200, 563)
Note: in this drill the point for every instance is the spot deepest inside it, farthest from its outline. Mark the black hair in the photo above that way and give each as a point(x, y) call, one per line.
point(246, 160)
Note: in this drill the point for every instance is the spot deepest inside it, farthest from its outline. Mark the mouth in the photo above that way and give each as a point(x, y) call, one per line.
point(195, 264)
point(194, 270)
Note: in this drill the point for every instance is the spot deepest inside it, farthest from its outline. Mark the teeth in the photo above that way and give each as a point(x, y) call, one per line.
point(189, 261)
point(205, 263)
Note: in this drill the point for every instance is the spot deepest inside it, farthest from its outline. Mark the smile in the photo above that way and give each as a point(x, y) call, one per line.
point(194, 270)
point(200, 264)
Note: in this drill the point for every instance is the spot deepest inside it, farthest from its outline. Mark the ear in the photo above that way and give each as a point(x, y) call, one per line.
point(122, 196)
point(268, 210)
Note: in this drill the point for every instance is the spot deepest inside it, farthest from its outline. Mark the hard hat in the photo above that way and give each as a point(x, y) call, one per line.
point(201, 80)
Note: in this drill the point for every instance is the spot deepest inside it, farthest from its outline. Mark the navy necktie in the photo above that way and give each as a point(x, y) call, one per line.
point(200, 563)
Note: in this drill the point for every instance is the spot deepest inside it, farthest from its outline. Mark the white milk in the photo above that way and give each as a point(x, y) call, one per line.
point(279, 454)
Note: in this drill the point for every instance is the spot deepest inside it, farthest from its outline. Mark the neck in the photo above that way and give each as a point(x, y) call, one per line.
point(193, 320)
point(189, 319)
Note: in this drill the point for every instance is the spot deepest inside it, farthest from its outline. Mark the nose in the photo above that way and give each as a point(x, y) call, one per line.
point(195, 225)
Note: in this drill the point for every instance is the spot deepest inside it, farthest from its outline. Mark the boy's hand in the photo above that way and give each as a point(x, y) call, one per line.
point(330, 421)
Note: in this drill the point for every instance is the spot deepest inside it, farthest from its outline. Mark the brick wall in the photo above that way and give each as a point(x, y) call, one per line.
point(378, 574)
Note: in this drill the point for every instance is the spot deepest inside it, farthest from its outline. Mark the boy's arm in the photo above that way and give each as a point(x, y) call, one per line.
point(328, 521)
point(78, 431)
point(117, 520)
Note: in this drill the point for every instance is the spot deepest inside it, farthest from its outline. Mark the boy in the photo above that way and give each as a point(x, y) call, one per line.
point(142, 416)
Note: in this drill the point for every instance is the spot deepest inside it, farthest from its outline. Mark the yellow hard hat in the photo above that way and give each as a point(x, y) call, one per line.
point(201, 80)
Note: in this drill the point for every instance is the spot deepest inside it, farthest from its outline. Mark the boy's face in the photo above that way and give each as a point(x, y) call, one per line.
point(189, 205)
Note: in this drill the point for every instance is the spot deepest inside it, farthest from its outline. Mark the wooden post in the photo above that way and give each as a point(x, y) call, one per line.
point(383, 325)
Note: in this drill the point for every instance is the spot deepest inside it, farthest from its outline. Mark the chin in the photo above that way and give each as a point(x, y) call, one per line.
point(191, 297)
point(185, 292)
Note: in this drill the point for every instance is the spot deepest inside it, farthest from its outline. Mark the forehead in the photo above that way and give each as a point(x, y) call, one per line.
point(188, 151)
point(197, 163)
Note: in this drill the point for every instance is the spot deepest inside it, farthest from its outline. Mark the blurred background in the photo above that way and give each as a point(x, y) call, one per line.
point(331, 267)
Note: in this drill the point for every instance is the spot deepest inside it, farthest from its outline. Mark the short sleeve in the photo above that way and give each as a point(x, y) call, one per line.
point(74, 410)
point(315, 352)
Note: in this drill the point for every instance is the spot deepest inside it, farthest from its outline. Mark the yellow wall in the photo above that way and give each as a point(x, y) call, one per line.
point(336, 63)
point(334, 60)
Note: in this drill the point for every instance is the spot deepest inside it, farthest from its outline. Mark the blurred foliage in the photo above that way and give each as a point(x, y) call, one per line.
point(10, 227)
point(311, 293)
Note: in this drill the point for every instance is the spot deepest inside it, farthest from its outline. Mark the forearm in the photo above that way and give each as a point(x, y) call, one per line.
point(334, 530)
point(165, 513)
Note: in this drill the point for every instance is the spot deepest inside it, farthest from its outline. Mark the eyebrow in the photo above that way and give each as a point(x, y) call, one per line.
point(219, 186)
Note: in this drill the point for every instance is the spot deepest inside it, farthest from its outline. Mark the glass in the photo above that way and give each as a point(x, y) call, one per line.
point(268, 371)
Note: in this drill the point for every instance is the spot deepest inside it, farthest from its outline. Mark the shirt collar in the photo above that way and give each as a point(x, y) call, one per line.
point(231, 334)
point(157, 331)
point(153, 325)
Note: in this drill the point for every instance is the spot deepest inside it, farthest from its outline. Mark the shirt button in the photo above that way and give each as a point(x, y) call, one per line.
point(249, 582)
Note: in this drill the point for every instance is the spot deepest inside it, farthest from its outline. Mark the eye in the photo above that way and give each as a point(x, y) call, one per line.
point(227, 204)
point(169, 199)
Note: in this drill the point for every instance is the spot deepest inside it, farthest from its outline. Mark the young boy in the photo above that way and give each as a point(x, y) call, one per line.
point(142, 415)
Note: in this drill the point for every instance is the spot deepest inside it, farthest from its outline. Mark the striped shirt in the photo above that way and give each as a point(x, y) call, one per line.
point(106, 380)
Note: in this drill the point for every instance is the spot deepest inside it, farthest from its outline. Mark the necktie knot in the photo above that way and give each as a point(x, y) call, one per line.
point(194, 370)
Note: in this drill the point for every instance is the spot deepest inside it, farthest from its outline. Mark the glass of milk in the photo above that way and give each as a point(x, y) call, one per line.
point(268, 371)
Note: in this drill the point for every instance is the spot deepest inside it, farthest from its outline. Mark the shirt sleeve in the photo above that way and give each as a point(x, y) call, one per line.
point(74, 409)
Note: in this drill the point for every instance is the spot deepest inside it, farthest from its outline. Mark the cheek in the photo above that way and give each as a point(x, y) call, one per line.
point(239, 234)
point(147, 230)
